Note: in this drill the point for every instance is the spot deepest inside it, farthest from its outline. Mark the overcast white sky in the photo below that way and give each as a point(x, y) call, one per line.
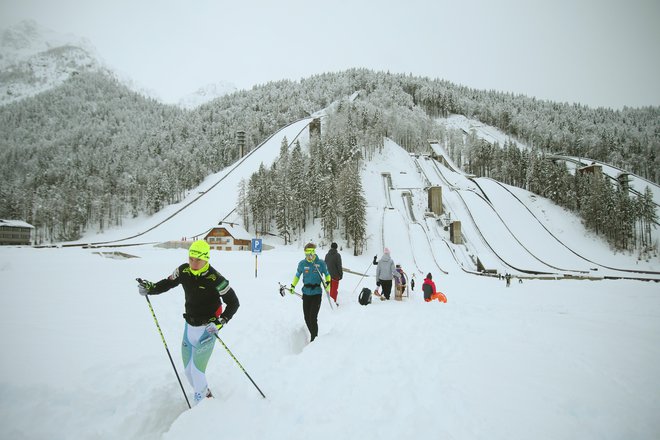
point(595, 52)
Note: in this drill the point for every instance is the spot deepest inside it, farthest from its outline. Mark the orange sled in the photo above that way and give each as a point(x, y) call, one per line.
point(439, 296)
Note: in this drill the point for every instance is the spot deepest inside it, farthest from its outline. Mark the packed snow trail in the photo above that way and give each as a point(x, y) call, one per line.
point(560, 369)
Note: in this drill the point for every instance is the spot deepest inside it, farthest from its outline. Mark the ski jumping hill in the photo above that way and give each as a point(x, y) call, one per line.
point(636, 184)
point(500, 234)
point(214, 201)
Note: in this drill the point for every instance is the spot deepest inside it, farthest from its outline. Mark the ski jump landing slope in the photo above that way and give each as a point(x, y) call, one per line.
point(212, 202)
point(498, 226)
point(395, 204)
point(528, 230)
point(483, 231)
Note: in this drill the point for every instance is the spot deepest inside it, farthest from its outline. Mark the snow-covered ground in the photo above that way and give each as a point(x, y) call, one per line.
point(486, 132)
point(545, 359)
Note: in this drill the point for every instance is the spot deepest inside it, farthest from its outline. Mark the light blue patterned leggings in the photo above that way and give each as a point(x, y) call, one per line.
point(196, 350)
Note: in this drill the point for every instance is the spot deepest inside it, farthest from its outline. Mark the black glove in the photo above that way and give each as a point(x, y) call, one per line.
point(375, 258)
point(144, 286)
point(378, 283)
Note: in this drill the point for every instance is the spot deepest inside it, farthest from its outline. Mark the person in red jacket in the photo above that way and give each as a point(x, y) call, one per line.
point(333, 261)
point(430, 293)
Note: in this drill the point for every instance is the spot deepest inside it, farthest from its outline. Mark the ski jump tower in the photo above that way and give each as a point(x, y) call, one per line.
point(435, 200)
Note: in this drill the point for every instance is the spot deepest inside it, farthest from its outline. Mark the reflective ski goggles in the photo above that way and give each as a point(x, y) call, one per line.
point(193, 253)
point(310, 251)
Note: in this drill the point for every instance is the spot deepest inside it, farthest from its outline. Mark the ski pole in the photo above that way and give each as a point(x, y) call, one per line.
point(326, 287)
point(361, 278)
point(239, 365)
point(167, 349)
point(283, 289)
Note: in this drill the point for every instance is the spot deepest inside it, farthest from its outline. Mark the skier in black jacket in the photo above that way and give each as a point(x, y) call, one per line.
point(333, 261)
point(206, 290)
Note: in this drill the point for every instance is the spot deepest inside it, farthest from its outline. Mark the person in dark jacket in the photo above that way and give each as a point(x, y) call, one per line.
point(205, 291)
point(315, 274)
point(333, 261)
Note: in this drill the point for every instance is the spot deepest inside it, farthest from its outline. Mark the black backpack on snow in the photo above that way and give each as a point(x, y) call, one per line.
point(365, 296)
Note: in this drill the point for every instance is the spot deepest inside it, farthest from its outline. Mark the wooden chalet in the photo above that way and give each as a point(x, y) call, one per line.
point(229, 238)
point(16, 232)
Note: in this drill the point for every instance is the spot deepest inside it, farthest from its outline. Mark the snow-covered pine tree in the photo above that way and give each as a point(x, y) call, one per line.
point(242, 207)
point(353, 206)
point(299, 195)
point(282, 193)
point(648, 218)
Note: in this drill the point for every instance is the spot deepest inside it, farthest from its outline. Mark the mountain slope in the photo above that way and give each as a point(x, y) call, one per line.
point(35, 59)
point(206, 94)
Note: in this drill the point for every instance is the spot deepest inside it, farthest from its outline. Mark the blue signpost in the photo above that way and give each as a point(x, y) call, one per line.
point(256, 250)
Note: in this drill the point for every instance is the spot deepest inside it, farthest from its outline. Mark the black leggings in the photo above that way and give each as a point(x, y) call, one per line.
point(386, 285)
point(311, 307)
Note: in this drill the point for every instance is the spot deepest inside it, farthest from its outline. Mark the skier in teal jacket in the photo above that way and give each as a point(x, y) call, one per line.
point(315, 274)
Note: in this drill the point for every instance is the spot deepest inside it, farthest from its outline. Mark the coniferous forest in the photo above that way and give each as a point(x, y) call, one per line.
point(90, 153)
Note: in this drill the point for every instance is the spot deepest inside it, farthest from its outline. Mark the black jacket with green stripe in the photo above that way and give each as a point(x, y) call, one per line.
point(205, 294)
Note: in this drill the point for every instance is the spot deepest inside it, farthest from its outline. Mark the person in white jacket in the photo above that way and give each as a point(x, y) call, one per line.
point(385, 272)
